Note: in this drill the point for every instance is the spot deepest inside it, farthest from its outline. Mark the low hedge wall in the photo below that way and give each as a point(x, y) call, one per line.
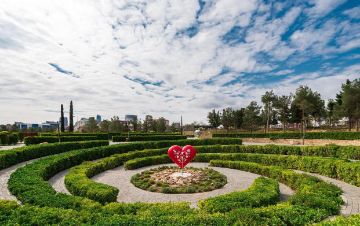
point(262, 192)
point(22, 154)
point(309, 135)
point(147, 138)
point(38, 140)
point(99, 136)
point(8, 138)
point(29, 184)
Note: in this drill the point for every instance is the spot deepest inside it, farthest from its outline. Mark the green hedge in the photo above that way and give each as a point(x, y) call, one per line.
point(345, 152)
point(29, 183)
point(38, 140)
point(262, 192)
point(22, 154)
point(99, 136)
point(309, 135)
point(336, 168)
point(147, 138)
point(8, 138)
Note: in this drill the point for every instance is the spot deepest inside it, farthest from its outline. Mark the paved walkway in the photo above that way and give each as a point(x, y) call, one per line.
point(2, 148)
point(4, 178)
point(351, 194)
point(120, 178)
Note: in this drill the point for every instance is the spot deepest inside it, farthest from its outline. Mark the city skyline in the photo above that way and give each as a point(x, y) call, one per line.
point(169, 58)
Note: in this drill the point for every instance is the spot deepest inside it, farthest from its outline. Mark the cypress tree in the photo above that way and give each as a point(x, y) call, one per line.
point(71, 115)
point(62, 121)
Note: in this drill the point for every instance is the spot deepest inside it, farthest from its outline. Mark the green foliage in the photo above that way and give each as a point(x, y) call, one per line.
point(147, 138)
point(210, 180)
point(293, 135)
point(53, 139)
point(262, 192)
point(30, 185)
point(8, 138)
point(214, 118)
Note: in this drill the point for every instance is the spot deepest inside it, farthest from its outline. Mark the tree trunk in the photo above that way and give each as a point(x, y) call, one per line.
point(303, 127)
point(267, 120)
point(350, 124)
point(357, 125)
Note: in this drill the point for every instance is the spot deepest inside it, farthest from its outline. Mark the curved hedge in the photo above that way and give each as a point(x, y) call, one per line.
point(147, 138)
point(38, 140)
point(22, 154)
point(262, 192)
point(29, 183)
point(295, 135)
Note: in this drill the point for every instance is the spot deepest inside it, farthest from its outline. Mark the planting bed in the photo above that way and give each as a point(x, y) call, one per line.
point(91, 202)
point(168, 179)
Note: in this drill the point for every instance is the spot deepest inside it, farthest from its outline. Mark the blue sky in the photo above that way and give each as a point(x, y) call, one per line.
point(169, 58)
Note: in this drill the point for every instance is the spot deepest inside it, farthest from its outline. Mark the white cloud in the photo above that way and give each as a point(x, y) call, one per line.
point(101, 42)
point(353, 13)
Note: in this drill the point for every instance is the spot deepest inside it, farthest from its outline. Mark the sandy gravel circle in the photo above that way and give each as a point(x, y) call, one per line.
point(120, 178)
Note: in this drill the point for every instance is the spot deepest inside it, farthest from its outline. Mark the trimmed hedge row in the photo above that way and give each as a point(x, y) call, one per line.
point(336, 168)
point(262, 192)
point(29, 183)
point(147, 138)
point(303, 209)
point(311, 191)
point(345, 152)
point(22, 154)
point(38, 140)
point(309, 135)
point(7, 138)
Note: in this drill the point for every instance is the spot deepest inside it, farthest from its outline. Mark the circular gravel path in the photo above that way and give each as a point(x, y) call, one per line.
point(120, 178)
point(4, 178)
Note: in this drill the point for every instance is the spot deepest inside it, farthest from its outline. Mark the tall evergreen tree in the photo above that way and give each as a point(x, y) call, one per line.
point(71, 118)
point(62, 121)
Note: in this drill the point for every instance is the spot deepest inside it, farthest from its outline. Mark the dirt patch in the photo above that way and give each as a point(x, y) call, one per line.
point(299, 141)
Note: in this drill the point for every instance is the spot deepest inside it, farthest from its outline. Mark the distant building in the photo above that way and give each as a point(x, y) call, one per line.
point(51, 125)
point(98, 118)
point(130, 118)
point(79, 125)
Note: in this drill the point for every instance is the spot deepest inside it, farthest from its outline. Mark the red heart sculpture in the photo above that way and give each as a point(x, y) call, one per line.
point(181, 156)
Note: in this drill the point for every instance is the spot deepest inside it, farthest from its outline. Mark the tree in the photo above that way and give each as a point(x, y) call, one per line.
point(268, 100)
point(330, 112)
point(227, 118)
point(252, 117)
point(309, 103)
point(62, 121)
point(148, 123)
point(91, 125)
point(282, 105)
point(238, 118)
point(349, 102)
point(105, 126)
point(214, 118)
point(71, 118)
point(160, 125)
point(115, 125)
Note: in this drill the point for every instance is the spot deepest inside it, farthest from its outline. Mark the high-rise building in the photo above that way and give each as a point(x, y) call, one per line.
point(129, 118)
point(66, 122)
point(98, 118)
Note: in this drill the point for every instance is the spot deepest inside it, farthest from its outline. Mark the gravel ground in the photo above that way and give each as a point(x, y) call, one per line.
point(120, 178)
point(4, 178)
point(2, 148)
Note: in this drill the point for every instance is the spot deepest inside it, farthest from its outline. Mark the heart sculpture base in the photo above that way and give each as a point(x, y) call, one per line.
point(181, 174)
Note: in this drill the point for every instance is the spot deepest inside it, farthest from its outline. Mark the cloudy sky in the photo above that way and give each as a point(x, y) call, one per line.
point(169, 57)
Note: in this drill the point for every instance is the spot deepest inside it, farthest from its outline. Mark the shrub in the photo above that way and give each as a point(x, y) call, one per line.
point(295, 135)
point(147, 138)
point(41, 139)
point(8, 138)
point(30, 186)
point(17, 155)
point(262, 192)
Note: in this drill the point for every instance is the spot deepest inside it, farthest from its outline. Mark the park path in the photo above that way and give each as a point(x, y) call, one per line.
point(4, 178)
point(120, 178)
point(351, 194)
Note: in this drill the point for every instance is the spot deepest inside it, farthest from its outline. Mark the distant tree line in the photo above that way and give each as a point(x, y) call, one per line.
point(304, 107)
